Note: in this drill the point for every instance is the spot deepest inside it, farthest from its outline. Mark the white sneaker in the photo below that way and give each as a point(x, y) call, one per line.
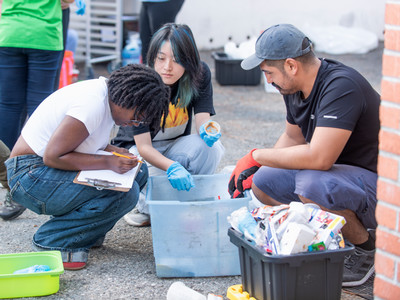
point(136, 218)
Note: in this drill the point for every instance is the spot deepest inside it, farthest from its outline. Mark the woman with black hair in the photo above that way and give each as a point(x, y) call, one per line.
point(173, 54)
point(62, 137)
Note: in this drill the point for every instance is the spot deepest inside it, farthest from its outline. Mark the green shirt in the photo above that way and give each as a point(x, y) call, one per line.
point(35, 24)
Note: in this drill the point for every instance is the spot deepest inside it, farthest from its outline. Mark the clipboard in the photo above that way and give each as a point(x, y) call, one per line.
point(108, 179)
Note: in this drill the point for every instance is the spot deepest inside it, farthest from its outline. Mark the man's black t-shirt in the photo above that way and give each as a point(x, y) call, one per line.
point(341, 98)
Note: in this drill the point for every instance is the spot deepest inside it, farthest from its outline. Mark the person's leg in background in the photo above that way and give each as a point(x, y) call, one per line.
point(72, 40)
point(144, 31)
point(26, 78)
point(42, 74)
point(193, 154)
point(13, 73)
point(10, 209)
point(65, 24)
point(152, 16)
point(70, 47)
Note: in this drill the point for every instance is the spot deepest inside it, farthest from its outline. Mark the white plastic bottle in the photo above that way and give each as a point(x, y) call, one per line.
point(131, 52)
point(179, 291)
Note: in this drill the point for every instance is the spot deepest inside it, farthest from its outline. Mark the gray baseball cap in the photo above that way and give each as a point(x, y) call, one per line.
point(278, 42)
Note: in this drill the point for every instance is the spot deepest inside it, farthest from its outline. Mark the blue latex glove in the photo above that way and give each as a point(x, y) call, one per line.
point(208, 139)
point(81, 5)
point(179, 177)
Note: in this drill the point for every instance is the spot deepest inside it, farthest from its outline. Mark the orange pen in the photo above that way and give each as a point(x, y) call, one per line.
point(121, 155)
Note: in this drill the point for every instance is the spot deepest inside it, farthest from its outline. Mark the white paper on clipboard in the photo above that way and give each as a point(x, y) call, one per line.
point(124, 181)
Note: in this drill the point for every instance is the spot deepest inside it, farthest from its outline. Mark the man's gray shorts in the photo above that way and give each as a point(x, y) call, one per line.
point(341, 187)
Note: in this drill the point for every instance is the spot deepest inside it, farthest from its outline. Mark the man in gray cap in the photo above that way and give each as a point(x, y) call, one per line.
point(328, 152)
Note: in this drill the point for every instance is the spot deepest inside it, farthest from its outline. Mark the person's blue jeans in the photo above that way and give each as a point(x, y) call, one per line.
point(81, 215)
point(27, 77)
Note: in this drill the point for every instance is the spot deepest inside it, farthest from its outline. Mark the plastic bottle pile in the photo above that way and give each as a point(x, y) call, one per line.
point(290, 229)
point(132, 50)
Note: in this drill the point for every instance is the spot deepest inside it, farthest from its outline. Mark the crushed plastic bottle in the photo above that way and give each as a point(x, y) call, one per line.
point(243, 221)
point(33, 269)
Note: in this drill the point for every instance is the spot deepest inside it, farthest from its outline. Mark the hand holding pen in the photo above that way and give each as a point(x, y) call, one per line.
point(126, 162)
point(126, 156)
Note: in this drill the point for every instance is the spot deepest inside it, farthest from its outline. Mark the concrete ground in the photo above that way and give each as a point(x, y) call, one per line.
point(124, 268)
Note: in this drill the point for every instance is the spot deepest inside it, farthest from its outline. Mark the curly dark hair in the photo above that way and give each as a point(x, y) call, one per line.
point(140, 87)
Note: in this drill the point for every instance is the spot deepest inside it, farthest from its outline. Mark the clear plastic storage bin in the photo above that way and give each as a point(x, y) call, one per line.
point(189, 228)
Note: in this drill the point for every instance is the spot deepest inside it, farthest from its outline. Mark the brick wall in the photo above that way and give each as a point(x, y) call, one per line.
point(387, 258)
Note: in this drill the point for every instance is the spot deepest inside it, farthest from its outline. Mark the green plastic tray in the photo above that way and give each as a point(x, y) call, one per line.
point(32, 284)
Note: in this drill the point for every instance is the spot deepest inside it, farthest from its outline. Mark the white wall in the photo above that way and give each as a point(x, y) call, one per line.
point(217, 20)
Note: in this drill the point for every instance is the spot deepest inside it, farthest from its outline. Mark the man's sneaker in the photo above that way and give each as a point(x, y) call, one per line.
point(11, 209)
point(136, 218)
point(358, 267)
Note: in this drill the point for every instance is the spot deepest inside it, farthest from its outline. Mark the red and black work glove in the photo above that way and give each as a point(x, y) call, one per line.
point(242, 175)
